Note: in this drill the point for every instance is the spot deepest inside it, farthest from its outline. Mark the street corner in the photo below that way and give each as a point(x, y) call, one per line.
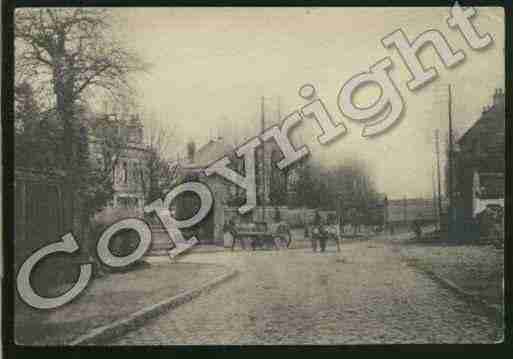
point(117, 302)
point(141, 317)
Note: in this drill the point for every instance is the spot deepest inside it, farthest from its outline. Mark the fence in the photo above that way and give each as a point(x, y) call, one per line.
point(43, 213)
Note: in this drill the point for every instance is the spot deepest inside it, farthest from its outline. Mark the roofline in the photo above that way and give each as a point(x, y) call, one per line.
point(475, 123)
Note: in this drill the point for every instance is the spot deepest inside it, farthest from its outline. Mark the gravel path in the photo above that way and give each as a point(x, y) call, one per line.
point(366, 294)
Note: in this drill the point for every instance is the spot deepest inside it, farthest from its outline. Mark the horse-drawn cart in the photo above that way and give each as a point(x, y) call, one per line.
point(260, 235)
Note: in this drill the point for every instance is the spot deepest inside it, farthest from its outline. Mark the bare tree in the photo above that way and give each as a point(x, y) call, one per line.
point(76, 50)
point(69, 55)
point(94, 178)
point(159, 173)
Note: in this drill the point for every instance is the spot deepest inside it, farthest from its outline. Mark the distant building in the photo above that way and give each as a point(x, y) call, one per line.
point(192, 168)
point(129, 186)
point(226, 193)
point(480, 162)
point(378, 209)
point(404, 211)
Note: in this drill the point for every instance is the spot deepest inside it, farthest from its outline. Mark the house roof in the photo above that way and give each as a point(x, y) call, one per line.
point(212, 151)
point(494, 113)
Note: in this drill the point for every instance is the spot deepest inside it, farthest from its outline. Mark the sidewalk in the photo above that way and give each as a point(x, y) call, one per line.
point(473, 270)
point(111, 298)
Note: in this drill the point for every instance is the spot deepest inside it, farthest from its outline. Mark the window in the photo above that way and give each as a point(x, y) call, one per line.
point(125, 172)
point(492, 186)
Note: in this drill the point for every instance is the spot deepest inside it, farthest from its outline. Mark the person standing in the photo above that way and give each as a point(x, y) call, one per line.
point(417, 228)
point(323, 236)
point(337, 236)
point(340, 226)
point(316, 230)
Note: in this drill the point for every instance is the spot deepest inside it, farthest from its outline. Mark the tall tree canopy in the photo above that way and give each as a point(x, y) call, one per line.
point(67, 59)
point(70, 53)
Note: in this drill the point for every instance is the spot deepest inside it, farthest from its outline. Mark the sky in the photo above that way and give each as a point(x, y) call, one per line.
point(211, 66)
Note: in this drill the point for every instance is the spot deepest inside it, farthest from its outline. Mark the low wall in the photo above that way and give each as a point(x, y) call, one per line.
point(414, 209)
point(109, 215)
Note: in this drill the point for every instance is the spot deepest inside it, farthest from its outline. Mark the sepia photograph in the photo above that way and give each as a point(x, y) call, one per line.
point(258, 175)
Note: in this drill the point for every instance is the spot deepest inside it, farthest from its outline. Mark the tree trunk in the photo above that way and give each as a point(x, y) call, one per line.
point(63, 88)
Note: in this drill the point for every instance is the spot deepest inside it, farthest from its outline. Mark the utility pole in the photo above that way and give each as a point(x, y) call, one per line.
point(264, 179)
point(450, 174)
point(437, 139)
point(405, 214)
point(385, 214)
point(435, 215)
point(283, 177)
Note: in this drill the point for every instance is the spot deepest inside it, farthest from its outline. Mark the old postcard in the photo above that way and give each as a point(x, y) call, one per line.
point(258, 176)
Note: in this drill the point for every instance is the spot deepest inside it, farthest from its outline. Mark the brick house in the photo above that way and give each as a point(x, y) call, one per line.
point(480, 162)
point(210, 231)
point(226, 194)
point(129, 191)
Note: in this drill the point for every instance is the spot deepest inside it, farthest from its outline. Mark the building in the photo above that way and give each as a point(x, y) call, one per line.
point(191, 168)
point(129, 174)
point(227, 194)
point(378, 209)
point(403, 211)
point(480, 162)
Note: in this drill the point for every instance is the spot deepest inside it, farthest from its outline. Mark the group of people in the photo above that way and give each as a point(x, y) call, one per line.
point(321, 232)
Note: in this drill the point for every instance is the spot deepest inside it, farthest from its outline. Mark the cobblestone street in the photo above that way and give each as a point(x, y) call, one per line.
point(363, 295)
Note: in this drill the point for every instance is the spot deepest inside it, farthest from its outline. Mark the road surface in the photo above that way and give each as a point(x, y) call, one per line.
point(366, 294)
